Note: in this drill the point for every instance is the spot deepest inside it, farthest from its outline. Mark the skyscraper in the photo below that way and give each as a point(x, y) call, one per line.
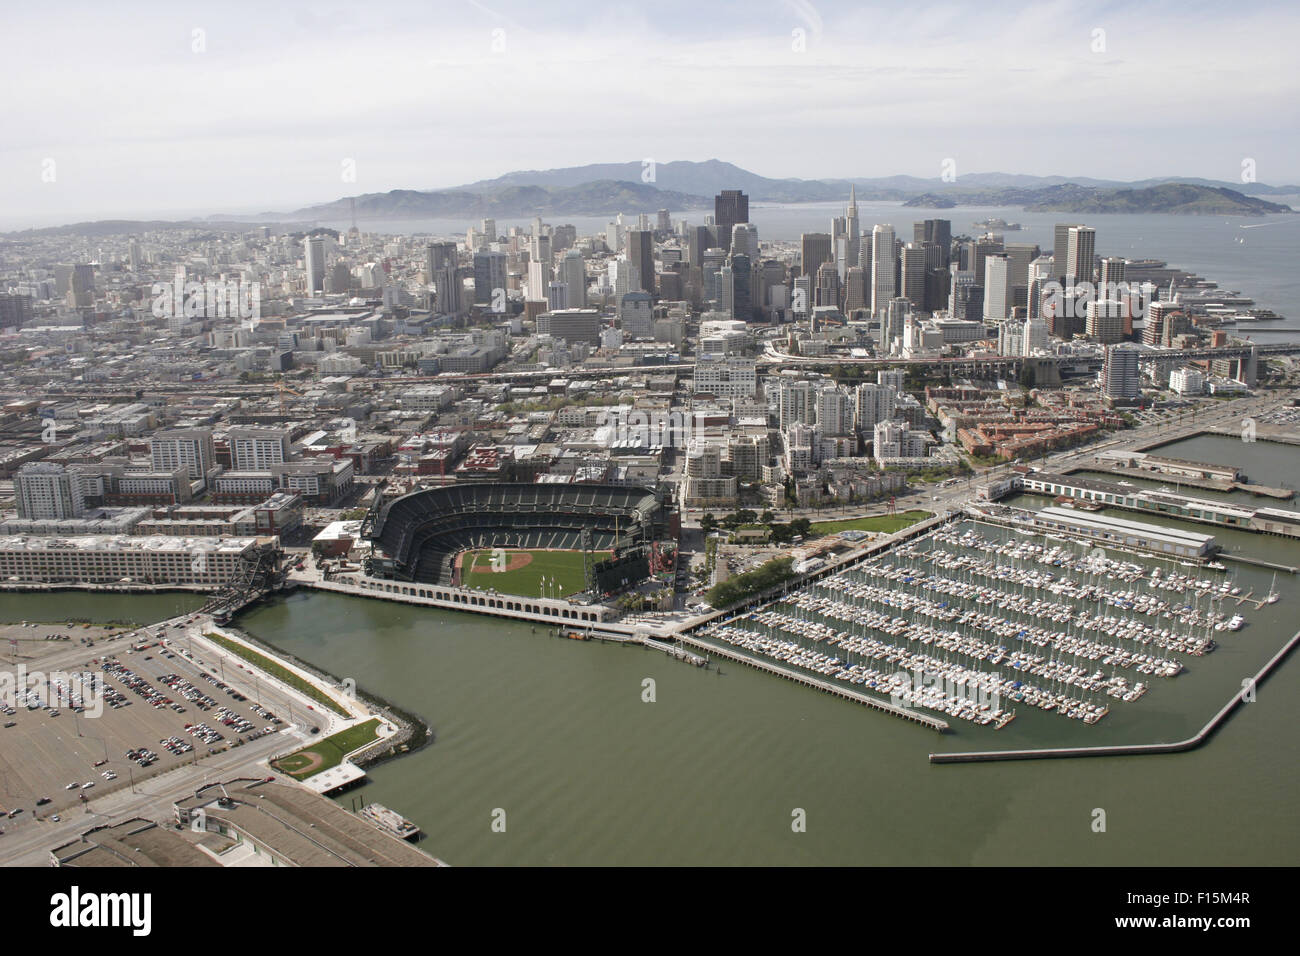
point(852, 232)
point(1112, 274)
point(573, 272)
point(938, 232)
point(883, 285)
point(742, 298)
point(314, 256)
point(1119, 373)
point(1081, 253)
point(744, 239)
point(489, 275)
point(913, 272)
point(828, 285)
point(814, 249)
point(997, 288)
point(1061, 247)
point(729, 207)
point(641, 253)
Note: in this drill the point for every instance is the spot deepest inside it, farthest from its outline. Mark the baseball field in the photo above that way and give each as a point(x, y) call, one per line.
point(526, 573)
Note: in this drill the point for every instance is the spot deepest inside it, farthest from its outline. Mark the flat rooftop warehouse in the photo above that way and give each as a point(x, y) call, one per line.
point(1158, 538)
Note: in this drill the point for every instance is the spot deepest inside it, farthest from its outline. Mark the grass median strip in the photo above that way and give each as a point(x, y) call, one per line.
point(278, 671)
point(327, 753)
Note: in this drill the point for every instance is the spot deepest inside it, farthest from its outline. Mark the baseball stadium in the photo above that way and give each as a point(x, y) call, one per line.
point(538, 540)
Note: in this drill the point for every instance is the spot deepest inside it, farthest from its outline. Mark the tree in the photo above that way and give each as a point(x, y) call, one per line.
point(767, 518)
point(708, 524)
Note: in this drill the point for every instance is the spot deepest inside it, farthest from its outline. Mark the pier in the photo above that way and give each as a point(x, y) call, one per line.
point(934, 723)
point(1125, 750)
point(1258, 562)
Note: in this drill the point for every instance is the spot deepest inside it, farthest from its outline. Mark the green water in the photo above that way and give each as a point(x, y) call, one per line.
point(96, 608)
point(555, 733)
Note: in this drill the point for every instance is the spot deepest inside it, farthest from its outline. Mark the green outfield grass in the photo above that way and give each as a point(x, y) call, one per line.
point(565, 567)
point(887, 524)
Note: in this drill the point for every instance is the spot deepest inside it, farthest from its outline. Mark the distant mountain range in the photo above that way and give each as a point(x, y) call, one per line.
point(609, 188)
point(1174, 198)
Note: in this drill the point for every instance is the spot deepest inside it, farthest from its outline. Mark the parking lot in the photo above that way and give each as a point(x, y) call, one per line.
point(159, 709)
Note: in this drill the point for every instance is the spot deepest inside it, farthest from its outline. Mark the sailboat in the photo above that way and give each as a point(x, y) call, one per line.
point(1272, 591)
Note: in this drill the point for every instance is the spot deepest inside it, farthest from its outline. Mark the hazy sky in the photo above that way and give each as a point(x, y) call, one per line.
point(113, 102)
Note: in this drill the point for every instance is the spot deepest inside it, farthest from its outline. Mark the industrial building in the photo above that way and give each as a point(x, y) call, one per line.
point(1118, 532)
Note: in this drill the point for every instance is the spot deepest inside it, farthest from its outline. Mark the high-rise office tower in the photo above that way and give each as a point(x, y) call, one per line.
point(1019, 255)
point(489, 229)
point(855, 291)
point(698, 239)
point(1112, 274)
point(852, 232)
point(664, 222)
point(883, 268)
point(744, 239)
point(997, 288)
point(438, 256)
point(314, 256)
point(1061, 247)
point(729, 207)
point(742, 284)
point(726, 290)
point(986, 245)
point(814, 249)
point(938, 232)
point(828, 285)
point(573, 272)
point(959, 286)
point(489, 275)
point(557, 296)
point(913, 273)
point(1081, 252)
point(641, 253)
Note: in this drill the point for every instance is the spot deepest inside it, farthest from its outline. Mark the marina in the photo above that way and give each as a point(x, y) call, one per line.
point(981, 625)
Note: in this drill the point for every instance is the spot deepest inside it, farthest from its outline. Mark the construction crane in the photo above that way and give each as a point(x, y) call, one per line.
point(282, 389)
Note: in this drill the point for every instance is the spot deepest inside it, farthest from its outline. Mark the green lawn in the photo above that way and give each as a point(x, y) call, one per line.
point(887, 524)
point(278, 671)
point(301, 764)
point(565, 567)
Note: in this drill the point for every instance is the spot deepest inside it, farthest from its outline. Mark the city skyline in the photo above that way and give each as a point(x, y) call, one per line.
point(222, 118)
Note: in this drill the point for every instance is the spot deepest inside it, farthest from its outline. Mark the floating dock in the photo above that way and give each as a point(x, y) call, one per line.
point(1125, 750)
